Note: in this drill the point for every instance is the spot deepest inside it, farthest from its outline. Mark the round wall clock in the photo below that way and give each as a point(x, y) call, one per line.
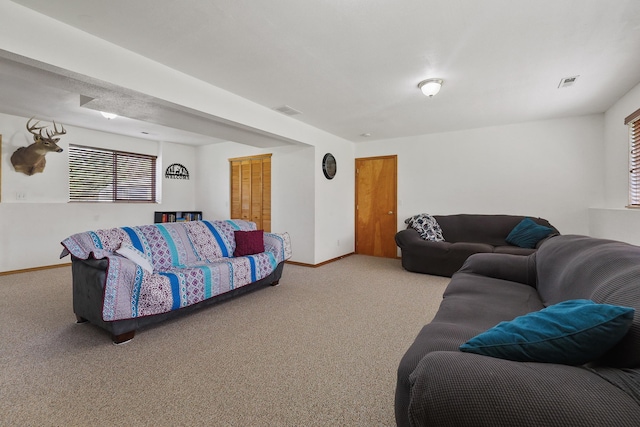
point(329, 166)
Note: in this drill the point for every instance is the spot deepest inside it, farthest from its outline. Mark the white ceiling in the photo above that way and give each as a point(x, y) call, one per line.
point(352, 66)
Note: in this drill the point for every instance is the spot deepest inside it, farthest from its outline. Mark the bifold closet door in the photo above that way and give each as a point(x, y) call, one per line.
point(251, 190)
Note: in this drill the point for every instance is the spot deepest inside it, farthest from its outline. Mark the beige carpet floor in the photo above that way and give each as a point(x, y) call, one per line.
point(321, 349)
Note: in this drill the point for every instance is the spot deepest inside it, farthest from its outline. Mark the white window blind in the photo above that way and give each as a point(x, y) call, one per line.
point(99, 175)
point(633, 121)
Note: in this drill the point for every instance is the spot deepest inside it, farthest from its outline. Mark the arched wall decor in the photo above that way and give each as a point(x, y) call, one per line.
point(176, 171)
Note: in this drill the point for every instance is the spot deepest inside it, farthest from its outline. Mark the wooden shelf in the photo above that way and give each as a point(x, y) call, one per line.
point(176, 216)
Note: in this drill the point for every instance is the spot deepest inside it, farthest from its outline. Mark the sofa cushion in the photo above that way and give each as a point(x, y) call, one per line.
point(427, 226)
point(249, 242)
point(479, 302)
point(527, 234)
point(605, 271)
point(168, 243)
point(572, 332)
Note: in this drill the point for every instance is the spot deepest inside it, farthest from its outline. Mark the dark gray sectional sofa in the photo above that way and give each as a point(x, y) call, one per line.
point(439, 385)
point(464, 234)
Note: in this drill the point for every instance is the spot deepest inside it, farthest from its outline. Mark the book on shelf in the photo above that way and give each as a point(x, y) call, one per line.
point(177, 216)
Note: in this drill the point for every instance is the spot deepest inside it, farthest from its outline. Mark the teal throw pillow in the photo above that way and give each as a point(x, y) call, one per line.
point(572, 332)
point(527, 234)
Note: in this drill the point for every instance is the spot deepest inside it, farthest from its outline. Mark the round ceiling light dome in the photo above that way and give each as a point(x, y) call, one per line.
point(430, 87)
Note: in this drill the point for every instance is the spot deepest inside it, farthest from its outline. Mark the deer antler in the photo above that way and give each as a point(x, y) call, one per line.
point(55, 132)
point(50, 134)
point(35, 127)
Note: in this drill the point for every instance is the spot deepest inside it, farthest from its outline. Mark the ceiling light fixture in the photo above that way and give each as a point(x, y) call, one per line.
point(430, 87)
point(108, 116)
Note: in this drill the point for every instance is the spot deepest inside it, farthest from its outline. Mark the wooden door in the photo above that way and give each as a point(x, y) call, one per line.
point(245, 190)
point(376, 200)
point(266, 194)
point(236, 190)
point(251, 190)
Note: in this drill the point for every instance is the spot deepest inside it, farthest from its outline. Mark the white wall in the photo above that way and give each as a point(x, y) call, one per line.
point(213, 184)
point(317, 213)
point(291, 190)
point(50, 186)
point(178, 194)
point(551, 169)
point(613, 220)
point(334, 202)
point(293, 208)
point(302, 190)
point(35, 214)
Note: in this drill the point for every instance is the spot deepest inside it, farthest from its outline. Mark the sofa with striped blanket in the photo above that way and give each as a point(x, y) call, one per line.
point(128, 277)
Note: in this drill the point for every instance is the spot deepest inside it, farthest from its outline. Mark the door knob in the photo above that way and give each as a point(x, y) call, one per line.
point(390, 212)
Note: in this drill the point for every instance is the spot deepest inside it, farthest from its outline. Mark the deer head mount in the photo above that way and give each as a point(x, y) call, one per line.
point(30, 160)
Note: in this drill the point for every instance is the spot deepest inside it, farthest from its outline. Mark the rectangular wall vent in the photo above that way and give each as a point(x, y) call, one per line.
point(285, 109)
point(567, 81)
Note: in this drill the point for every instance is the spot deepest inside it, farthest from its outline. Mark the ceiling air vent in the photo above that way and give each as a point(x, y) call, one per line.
point(285, 109)
point(567, 81)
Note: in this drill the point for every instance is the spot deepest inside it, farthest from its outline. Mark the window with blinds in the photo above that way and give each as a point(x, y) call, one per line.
point(99, 175)
point(633, 121)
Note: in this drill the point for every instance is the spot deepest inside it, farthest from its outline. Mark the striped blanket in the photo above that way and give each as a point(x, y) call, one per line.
point(162, 267)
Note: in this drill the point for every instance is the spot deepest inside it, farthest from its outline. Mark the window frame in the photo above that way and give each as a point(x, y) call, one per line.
point(111, 175)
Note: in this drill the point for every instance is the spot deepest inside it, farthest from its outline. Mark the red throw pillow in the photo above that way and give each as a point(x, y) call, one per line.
point(249, 242)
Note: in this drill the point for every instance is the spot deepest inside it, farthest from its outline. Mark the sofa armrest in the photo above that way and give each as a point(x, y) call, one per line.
point(409, 240)
point(88, 281)
point(514, 268)
point(279, 244)
point(550, 236)
point(462, 389)
point(408, 237)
